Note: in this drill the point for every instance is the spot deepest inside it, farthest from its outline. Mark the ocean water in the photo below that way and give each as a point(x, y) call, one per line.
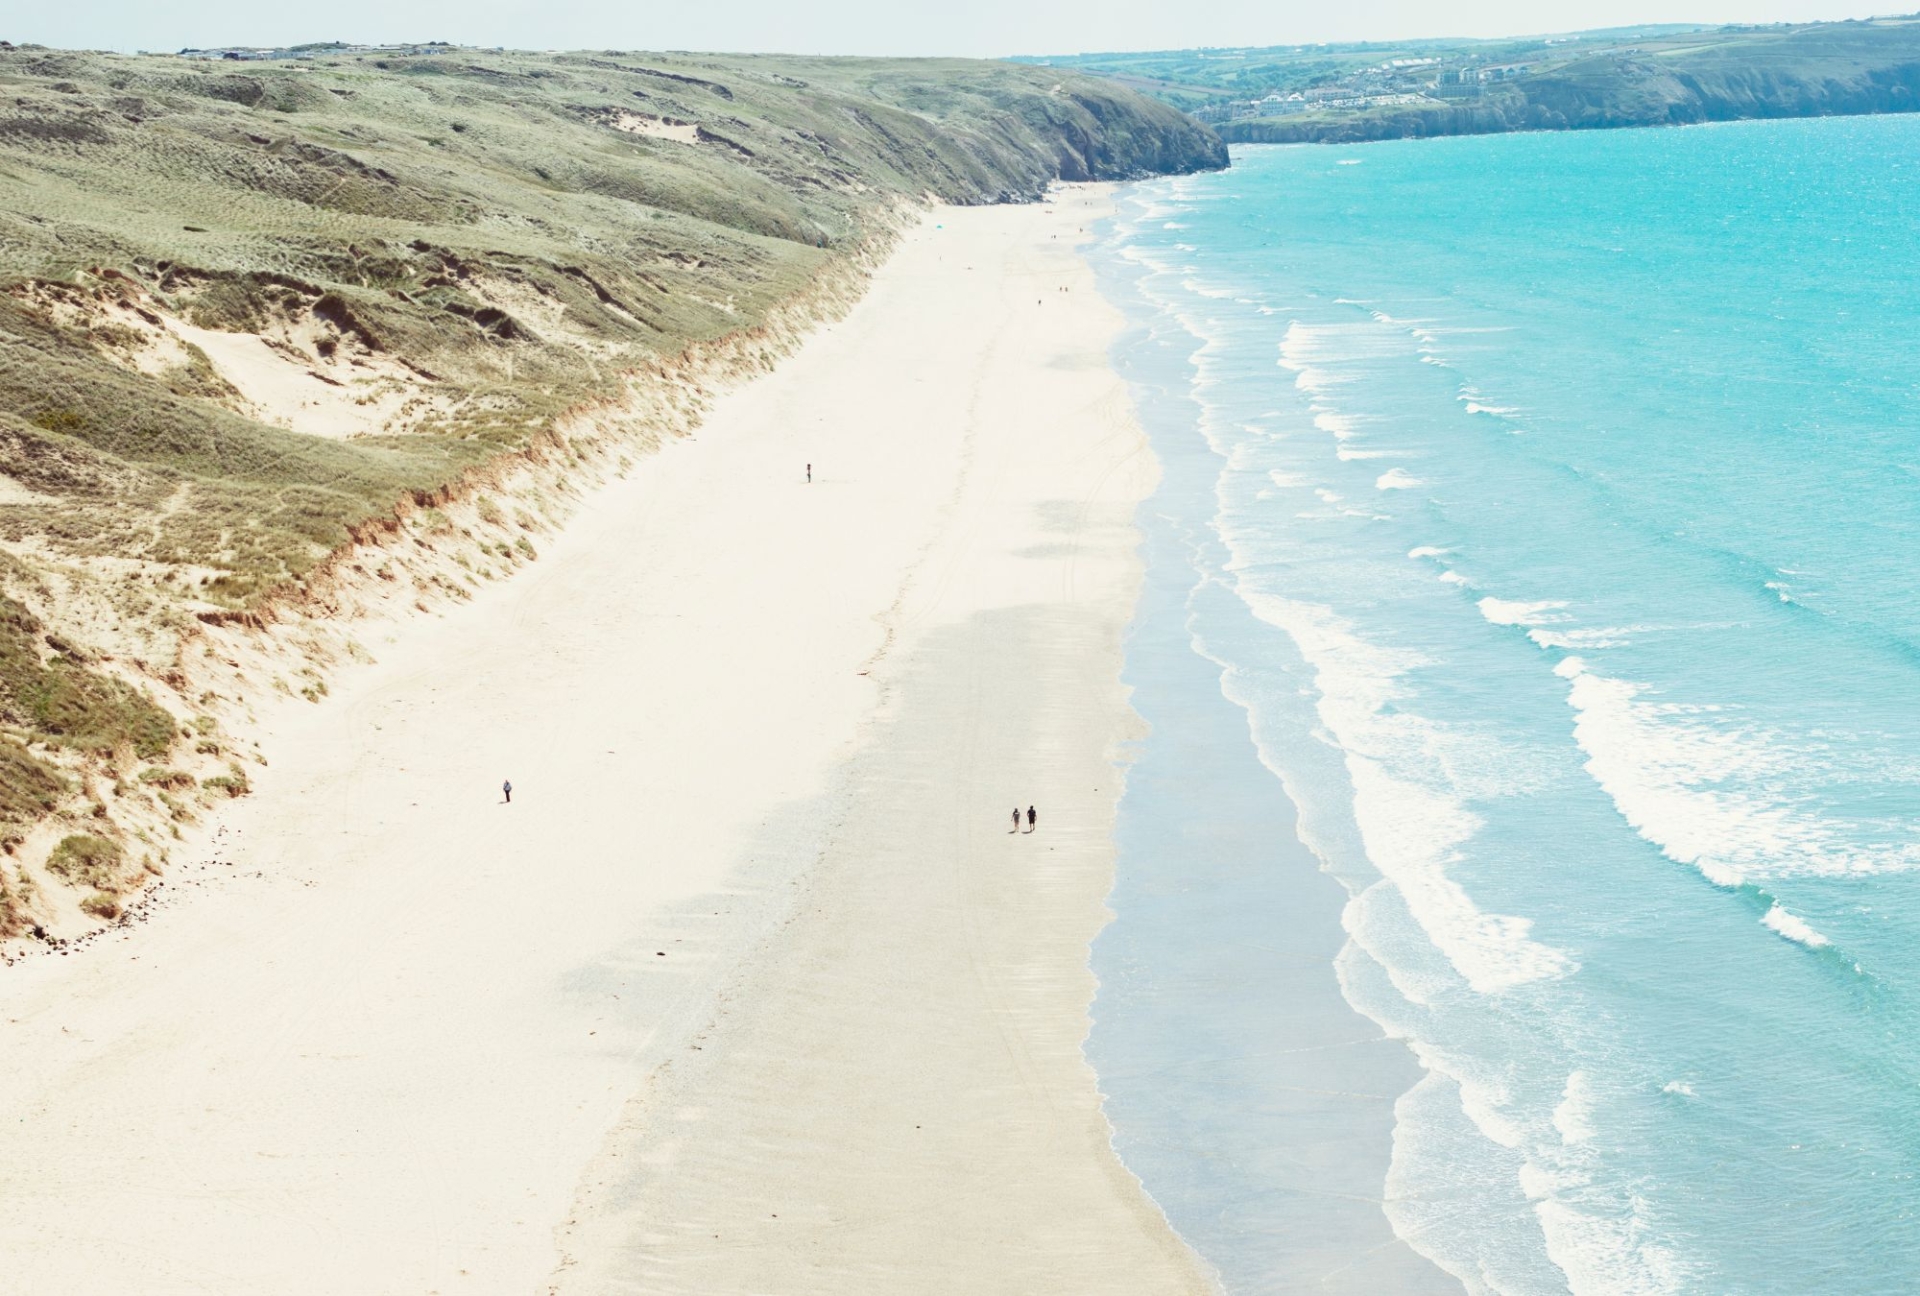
point(1527, 851)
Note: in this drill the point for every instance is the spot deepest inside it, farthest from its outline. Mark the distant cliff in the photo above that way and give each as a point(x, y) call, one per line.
point(1829, 69)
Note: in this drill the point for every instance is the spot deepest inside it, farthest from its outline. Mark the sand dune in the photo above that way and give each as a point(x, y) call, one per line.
point(752, 939)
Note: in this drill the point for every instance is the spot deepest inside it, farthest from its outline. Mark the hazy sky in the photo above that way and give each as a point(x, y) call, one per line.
point(975, 27)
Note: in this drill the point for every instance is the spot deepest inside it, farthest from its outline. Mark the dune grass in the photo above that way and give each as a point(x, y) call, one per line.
point(47, 689)
point(101, 905)
point(87, 861)
point(29, 787)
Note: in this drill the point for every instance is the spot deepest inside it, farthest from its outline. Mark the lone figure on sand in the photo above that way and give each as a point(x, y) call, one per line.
point(1031, 817)
point(507, 788)
point(809, 474)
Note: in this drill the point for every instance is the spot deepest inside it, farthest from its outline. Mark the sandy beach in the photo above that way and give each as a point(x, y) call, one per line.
point(750, 988)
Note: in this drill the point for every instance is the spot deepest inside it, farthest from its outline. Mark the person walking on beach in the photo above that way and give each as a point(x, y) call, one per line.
point(507, 788)
point(1016, 818)
point(1031, 817)
point(809, 474)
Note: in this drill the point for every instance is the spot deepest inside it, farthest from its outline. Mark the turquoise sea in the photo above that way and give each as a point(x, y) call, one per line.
point(1519, 890)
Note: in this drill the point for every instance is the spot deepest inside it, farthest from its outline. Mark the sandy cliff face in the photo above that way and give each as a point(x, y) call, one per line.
point(302, 341)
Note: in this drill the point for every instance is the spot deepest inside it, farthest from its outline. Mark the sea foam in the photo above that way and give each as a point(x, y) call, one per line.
point(1712, 793)
point(1511, 613)
point(1793, 927)
point(1574, 1116)
point(1412, 826)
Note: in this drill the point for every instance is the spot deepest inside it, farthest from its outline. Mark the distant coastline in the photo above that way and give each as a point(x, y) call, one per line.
point(1644, 76)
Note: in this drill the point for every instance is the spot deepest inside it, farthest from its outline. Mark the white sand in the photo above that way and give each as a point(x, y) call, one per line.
point(413, 1040)
point(656, 128)
point(284, 385)
point(12, 492)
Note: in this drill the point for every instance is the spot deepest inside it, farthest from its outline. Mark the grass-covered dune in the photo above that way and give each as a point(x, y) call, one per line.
point(248, 308)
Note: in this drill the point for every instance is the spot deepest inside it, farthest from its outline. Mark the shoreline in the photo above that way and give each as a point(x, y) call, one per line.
point(385, 1050)
point(894, 1095)
point(1252, 1097)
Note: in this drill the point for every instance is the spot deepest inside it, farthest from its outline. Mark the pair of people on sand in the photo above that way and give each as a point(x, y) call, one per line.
point(1032, 818)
